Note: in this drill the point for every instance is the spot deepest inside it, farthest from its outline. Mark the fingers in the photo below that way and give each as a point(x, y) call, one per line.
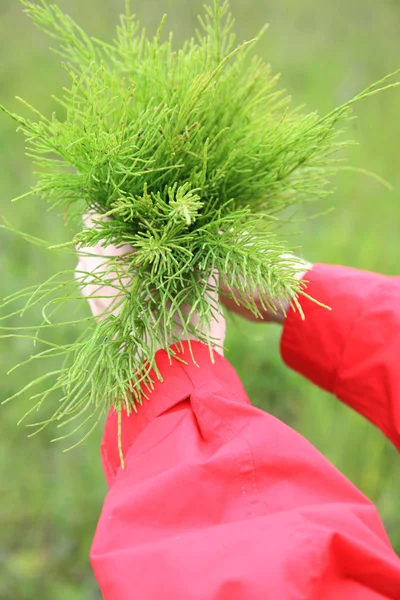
point(228, 296)
point(300, 265)
point(92, 271)
point(109, 250)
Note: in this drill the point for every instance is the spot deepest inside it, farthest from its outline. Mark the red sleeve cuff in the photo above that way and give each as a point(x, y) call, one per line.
point(314, 347)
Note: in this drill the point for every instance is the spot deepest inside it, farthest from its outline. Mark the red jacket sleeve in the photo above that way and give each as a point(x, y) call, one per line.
point(221, 501)
point(353, 350)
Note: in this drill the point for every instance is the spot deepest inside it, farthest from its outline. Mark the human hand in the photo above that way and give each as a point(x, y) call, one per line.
point(282, 306)
point(106, 300)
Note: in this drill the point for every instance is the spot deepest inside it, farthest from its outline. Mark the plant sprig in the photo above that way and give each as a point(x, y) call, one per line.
point(192, 154)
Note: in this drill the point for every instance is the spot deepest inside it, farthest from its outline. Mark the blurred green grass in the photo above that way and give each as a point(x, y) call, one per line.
point(327, 52)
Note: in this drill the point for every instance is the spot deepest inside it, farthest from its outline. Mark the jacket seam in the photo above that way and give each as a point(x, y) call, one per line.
point(248, 459)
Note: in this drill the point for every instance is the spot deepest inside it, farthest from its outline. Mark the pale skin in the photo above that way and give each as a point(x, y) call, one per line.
point(217, 329)
point(267, 316)
point(99, 303)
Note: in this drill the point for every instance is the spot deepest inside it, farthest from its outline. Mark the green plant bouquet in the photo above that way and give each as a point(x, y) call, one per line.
point(188, 156)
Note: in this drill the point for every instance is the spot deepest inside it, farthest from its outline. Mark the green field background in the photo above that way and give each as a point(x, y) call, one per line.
point(327, 52)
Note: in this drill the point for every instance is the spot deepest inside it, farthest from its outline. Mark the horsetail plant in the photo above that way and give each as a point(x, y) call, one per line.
point(188, 156)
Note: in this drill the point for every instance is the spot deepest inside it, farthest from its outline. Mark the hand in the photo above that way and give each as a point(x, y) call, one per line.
point(268, 316)
point(102, 298)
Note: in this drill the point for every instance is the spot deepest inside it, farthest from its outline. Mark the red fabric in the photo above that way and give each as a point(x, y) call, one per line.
point(221, 501)
point(354, 350)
